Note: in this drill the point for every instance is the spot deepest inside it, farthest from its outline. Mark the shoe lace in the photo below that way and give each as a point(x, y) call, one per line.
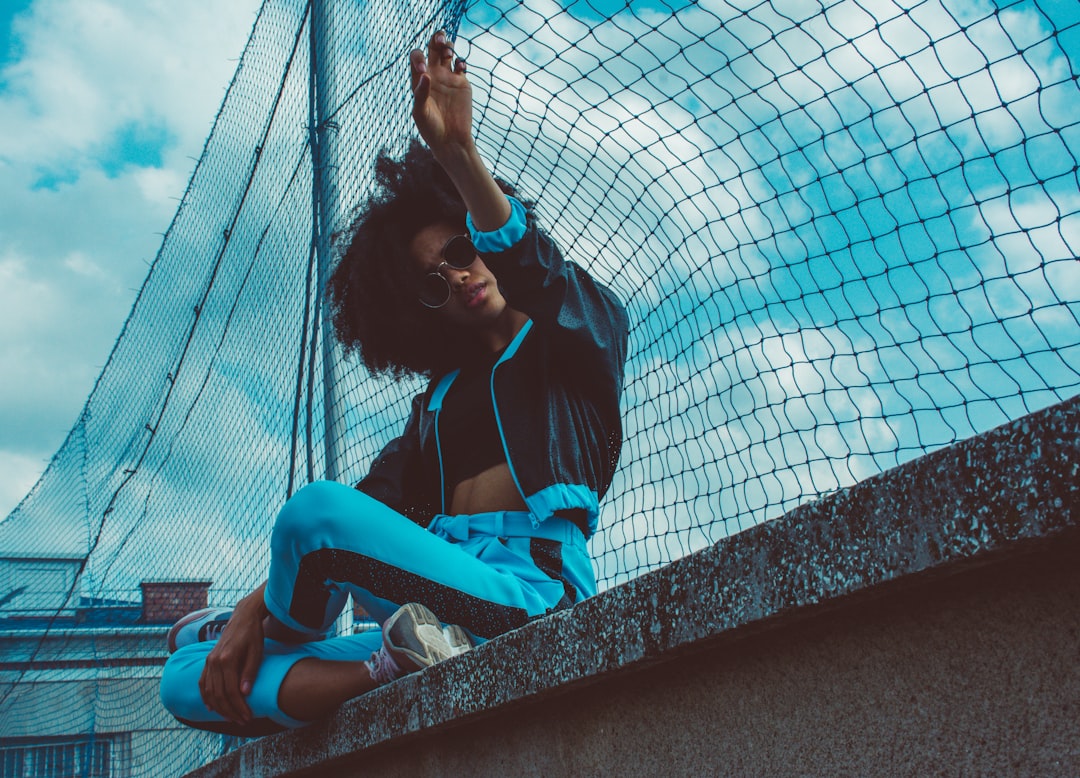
point(383, 668)
point(212, 630)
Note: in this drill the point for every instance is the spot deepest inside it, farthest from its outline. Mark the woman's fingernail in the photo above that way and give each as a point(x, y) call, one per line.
point(440, 37)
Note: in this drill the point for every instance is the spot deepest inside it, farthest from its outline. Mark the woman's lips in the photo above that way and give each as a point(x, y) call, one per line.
point(475, 294)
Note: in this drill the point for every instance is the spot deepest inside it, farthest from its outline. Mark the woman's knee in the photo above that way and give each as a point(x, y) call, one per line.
point(323, 510)
point(180, 682)
point(181, 697)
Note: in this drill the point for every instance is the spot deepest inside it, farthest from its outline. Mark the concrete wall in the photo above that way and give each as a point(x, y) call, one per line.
point(925, 621)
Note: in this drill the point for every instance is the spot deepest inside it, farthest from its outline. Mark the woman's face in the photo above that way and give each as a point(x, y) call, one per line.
point(475, 299)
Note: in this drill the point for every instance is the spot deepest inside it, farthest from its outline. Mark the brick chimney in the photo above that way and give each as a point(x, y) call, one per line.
point(164, 602)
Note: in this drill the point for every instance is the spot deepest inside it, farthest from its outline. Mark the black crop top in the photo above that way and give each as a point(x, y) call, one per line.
point(468, 435)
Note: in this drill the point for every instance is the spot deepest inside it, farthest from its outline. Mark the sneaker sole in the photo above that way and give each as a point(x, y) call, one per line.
point(458, 638)
point(415, 634)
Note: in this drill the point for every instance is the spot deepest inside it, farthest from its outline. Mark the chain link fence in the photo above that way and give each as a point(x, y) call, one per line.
point(846, 234)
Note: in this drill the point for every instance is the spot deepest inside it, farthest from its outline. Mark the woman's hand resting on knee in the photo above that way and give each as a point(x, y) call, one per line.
point(232, 665)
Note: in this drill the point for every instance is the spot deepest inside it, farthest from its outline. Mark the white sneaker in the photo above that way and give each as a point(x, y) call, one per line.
point(198, 627)
point(414, 638)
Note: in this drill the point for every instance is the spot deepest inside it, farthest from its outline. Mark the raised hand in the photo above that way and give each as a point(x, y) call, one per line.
point(442, 97)
point(443, 112)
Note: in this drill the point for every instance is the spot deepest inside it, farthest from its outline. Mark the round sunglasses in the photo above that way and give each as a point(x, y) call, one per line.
point(458, 253)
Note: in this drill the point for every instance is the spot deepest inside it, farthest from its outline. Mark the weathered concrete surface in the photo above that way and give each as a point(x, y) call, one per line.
point(923, 621)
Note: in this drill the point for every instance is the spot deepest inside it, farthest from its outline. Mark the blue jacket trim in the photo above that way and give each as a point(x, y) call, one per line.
point(550, 499)
point(438, 394)
point(435, 405)
point(515, 344)
point(504, 237)
point(507, 354)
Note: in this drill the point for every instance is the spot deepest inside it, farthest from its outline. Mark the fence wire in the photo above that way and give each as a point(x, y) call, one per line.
point(846, 234)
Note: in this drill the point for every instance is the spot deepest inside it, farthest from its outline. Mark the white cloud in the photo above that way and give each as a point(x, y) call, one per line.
point(86, 196)
point(78, 263)
point(160, 185)
point(20, 473)
point(88, 67)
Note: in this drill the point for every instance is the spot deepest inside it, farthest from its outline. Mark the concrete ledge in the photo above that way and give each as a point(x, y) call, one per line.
point(968, 543)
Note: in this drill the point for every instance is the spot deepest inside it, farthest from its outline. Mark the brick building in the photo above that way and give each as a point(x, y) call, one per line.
point(79, 676)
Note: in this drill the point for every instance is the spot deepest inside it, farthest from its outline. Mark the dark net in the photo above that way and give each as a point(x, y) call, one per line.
point(846, 234)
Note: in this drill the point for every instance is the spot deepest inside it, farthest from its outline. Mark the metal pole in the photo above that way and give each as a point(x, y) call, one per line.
point(324, 165)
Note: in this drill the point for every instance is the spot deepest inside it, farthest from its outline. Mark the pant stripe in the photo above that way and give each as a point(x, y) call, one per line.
point(547, 556)
point(483, 618)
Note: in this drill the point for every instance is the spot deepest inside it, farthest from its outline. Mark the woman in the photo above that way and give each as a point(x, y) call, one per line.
point(478, 515)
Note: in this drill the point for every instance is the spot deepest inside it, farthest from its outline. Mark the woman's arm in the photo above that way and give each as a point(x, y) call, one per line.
point(442, 110)
point(586, 320)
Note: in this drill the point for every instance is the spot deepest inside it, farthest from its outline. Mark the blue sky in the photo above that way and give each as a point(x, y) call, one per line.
point(104, 106)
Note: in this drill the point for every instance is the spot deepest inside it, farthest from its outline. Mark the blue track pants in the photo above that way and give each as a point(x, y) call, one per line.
point(488, 573)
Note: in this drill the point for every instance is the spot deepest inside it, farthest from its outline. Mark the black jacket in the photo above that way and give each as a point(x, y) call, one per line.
point(556, 391)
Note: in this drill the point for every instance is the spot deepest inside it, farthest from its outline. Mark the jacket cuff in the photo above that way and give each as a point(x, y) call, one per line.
point(504, 237)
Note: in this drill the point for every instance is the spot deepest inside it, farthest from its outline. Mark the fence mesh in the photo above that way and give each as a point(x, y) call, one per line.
point(846, 234)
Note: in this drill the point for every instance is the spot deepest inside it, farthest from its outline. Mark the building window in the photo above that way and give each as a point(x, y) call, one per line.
point(84, 757)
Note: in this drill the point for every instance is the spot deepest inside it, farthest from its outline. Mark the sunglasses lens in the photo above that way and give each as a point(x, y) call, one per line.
point(459, 252)
point(434, 290)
